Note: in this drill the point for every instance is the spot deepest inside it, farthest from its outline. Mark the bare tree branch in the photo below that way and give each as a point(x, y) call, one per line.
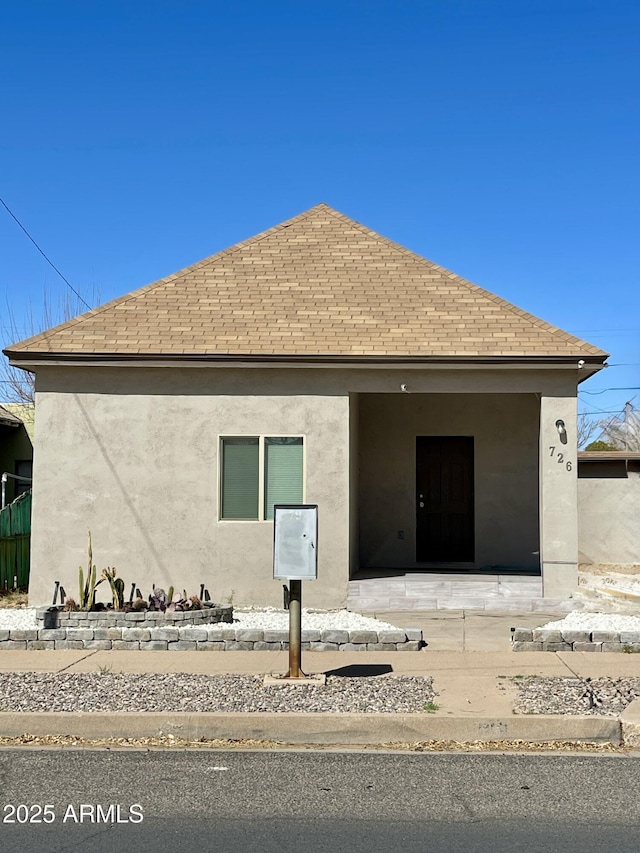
point(586, 429)
point(623, 430)
point(18, 385)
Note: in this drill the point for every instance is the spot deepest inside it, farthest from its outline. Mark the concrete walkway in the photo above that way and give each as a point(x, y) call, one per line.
point(468, 656)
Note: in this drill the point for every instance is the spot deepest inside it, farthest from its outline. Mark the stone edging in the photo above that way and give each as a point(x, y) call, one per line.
point(55, 617)
point(205, 638)
point(547, 640)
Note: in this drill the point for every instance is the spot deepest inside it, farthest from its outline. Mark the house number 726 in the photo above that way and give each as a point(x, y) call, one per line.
point(559, 457)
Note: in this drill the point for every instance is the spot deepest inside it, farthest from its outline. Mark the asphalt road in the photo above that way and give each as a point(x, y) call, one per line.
point(275, 802)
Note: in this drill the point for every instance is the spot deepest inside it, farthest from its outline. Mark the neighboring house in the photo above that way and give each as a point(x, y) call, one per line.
point(16, 448)
point(432, 422)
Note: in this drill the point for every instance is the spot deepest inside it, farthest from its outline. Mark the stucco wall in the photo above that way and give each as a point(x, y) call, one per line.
point(609, 518)
point(505, 431)
point(138, 466)
point(132, 455)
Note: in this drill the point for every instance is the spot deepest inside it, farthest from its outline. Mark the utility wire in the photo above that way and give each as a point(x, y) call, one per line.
point(602, 412)
point(48, 260)
point(600, 331)
point(604, 390)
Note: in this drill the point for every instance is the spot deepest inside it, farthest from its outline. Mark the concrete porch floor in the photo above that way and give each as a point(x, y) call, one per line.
point(434, 591)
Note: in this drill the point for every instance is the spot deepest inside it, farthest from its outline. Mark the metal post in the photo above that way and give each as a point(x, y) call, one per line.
point(5, 480)
point(295, 630)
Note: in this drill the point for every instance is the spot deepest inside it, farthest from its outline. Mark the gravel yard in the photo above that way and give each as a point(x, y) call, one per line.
point(605, 697)
point(261, 619)
point(96, 691)
point(579, 620)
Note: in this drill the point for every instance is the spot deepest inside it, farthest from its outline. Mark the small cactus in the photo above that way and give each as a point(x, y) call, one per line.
point(87, 586)
point(117, 587)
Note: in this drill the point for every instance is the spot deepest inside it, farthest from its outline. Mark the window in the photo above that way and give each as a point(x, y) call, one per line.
point(258, 472)
point(24, 468)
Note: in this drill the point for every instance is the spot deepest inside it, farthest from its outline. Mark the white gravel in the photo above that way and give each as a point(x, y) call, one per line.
point(267, 619)
point(328, 620)
point(18, 619)
point(578, 620)
point(344, 620)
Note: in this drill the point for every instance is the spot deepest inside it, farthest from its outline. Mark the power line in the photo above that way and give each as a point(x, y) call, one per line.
point(601, 412)
point(604, 390)
point(604, 331)
point(48, 260)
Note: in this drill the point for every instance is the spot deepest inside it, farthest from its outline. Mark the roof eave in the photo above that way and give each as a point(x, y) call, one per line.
point(587, 365)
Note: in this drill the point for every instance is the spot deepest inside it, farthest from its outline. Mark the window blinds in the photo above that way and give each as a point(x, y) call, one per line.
point(240, 461)
point(283, 473)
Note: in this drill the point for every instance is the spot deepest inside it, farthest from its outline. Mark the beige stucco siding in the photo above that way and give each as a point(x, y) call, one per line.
point(609, 518)
point(140, 470)
point(131, 453)
point(505, 432)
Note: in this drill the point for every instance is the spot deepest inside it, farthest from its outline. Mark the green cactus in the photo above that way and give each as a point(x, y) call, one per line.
point(91, 589)
point(117, 587)
point(87, 587)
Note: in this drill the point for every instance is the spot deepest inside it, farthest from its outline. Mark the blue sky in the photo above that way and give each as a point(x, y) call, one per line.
point(499, 138)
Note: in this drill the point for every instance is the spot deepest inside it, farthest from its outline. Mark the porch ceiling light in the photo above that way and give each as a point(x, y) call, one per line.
point(404, 387)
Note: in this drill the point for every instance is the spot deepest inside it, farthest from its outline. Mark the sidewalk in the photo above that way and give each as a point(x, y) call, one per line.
point(467, 655)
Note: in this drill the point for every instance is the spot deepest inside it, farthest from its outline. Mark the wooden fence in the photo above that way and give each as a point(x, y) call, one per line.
point(15, 540)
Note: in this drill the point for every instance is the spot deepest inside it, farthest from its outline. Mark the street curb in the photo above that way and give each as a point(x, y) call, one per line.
point(316, 728)
point(630, 724)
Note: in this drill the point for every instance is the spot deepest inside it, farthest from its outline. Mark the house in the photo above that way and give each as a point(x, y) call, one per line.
point(433, 423)
point(16, 449)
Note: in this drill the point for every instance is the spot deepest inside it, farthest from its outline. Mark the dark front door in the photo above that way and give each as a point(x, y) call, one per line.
point(444, 505)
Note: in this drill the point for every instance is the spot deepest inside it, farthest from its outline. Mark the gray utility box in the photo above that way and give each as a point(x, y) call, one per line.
point(295, 542)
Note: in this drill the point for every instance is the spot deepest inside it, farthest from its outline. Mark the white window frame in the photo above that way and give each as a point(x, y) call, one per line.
point(261, 465)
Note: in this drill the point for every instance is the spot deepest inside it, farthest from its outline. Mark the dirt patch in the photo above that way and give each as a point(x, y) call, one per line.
point(169, 742)
point(608, 568)
point(14, 599)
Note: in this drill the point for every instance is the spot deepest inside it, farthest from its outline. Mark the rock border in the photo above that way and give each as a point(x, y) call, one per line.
point(548, 640)
point(55, 617)
point(136, 635)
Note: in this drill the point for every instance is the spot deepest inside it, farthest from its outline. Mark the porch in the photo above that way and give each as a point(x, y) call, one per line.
point(393, 590)
point(465, 499)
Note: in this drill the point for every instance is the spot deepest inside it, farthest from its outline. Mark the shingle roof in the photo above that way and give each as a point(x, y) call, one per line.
point(7, 418)
point(317, 285)
point(24, 413)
